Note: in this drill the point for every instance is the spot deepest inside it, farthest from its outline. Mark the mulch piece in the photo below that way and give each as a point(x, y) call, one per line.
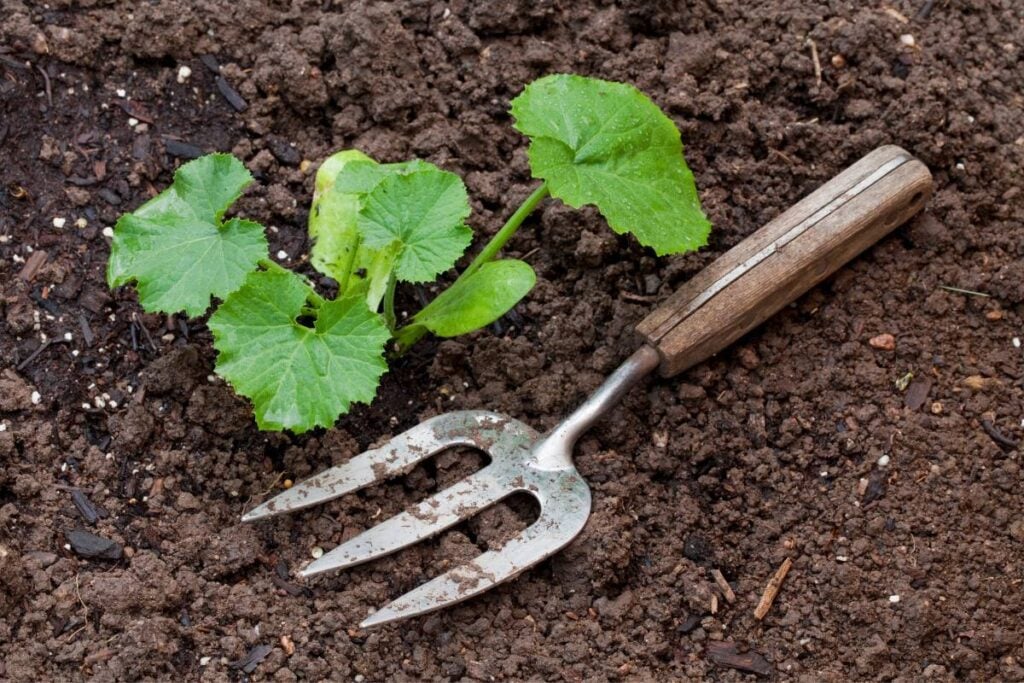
point(90, 513)
point(252, 659)
point(236, 101)
point(917, 393)
point(725, 653)
point(93, 547)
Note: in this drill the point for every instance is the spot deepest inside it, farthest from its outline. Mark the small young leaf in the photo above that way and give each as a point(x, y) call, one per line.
point(341, 183)
point(332, 217)
point(297, 377)
point(604, 143)
point(423, 211)
point(360, 178)
point(479, 299)
point(176, 246)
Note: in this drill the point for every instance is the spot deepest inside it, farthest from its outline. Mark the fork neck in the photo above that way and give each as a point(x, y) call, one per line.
point(554, 450)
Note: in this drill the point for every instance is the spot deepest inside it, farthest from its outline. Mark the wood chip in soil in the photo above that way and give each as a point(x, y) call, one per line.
point(725, 653)
point(252, 659)
point(89, 545)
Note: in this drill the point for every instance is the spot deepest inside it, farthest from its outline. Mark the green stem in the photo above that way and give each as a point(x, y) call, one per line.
point(350, 263)
point(389, 302)
point(492, 248)
point(273, 266)
point(410, 334)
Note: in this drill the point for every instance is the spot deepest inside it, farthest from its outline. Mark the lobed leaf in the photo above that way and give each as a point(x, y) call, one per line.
point(478, 300)
point(604, 143)
point(297, 377)
point(177, 248)
point(424, 212)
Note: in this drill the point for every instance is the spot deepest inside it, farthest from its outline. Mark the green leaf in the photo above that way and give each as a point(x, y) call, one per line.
point(379, 272)
point(332, 218)
point(478, 300)
point(297, 377)
point(341, 183)
point(360, 178)
point(604, 143)
point(424, 211)
point(177, 248)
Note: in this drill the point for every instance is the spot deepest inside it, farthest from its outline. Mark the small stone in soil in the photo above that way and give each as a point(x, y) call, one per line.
point(91, 546)
point(886, 342)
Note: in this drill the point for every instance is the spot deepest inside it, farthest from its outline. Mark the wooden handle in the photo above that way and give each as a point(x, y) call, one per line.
point(786, 257)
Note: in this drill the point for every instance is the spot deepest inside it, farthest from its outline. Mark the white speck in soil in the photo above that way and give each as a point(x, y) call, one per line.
point(59, 222)
point(108, 231)
point(184, 73)
point(282, 254)
point(894, 599)
point(36, 398)
point(132, 121)
point(120, 92)
point(68, 336)
point(883, 461)
point(1016, 342)
point(317, 552)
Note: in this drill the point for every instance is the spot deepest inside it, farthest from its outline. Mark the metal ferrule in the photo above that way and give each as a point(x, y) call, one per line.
point(554, 450)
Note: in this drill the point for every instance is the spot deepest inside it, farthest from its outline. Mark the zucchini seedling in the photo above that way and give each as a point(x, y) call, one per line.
point(303, 359)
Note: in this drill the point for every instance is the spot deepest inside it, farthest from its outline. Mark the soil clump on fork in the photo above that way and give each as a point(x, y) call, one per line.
point(902, 513)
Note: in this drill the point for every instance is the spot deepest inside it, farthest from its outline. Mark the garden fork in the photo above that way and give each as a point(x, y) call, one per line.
point(753, 280)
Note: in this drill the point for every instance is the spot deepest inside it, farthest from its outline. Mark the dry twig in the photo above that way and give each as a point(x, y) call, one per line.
point(771, 590)
point(727, 591)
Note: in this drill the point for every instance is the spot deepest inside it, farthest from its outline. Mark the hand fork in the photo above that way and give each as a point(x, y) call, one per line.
point(741, 289)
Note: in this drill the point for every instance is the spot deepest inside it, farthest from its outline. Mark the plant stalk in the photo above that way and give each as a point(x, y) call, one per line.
point(350, 263)
point(411, 334)
point(389, 303)
point(492, 248)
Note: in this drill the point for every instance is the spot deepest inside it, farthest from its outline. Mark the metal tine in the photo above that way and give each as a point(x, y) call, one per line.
point(461, 428)
point(565, 506)
point(432, 516)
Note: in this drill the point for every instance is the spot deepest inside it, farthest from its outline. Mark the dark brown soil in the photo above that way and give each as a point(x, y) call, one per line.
point(908, 570)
